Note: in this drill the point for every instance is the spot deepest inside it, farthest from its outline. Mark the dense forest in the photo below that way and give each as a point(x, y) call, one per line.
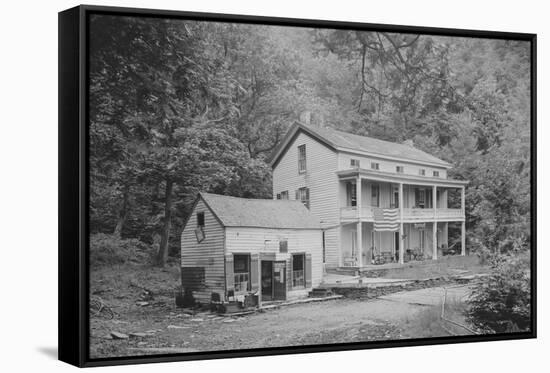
point(177, 107)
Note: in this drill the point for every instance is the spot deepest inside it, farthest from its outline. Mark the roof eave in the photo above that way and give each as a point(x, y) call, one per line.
point(443, 164)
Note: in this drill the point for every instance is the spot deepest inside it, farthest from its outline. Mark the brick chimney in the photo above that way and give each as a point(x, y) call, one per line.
point(305, 117)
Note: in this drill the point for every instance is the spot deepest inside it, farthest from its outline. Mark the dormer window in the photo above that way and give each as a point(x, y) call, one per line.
point(355, 163)
point(399, 169)
point(302, 158)
point(436, 173)
point(422, 172)
point(375, 165)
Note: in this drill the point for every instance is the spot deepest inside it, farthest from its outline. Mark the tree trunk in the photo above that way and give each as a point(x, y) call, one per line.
point(163, 248)
point(123, 213)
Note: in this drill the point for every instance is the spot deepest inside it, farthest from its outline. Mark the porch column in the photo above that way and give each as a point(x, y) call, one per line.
point(434, 200)
point(463, 249)
point(401, 237)
point(463, 206)
point(434, 240)
point(434, 228)
point(359, 225)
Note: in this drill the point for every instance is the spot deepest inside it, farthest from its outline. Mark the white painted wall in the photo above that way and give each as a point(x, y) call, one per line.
point(320, 177)
point(410, 168)
point(208, 253)
point(265, 240)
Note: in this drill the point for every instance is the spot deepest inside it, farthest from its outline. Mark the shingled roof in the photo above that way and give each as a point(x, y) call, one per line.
point(344, 141)
point(264, 213)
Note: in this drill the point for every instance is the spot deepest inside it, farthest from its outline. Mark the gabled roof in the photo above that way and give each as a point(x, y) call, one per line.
point(348, 142)
point(263, 213)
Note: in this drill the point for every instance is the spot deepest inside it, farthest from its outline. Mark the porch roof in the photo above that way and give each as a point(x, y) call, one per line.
point(401, 178)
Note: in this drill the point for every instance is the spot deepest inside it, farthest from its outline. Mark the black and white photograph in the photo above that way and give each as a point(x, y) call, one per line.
point(262, 186)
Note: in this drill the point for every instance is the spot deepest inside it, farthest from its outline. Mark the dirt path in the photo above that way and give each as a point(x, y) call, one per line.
point(335, 321)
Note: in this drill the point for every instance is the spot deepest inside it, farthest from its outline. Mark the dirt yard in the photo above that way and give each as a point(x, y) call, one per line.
point(165, 329)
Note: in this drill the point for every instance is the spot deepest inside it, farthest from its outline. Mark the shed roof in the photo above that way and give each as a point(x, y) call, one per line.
point(344, 141)
point(264, 213)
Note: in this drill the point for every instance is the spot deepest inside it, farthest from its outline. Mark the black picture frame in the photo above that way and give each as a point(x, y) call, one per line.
point(73, 273)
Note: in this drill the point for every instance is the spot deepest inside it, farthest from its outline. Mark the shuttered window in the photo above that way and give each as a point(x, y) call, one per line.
point(302, 158)
point(283, 246)
point(302, 195)
point(436, 173)
point(284, 195)
point(399, 169)
point(298, 271)
point(355, 163)
point(200, 219)
point(422, 172)
point(241, 272)
point(351, 192)
point(375, 165)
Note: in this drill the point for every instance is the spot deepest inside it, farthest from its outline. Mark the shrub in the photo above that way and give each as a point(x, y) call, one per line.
point(107, 249)
point(502, 302)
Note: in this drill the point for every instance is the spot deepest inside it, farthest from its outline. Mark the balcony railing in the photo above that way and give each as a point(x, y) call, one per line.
point(352, 213)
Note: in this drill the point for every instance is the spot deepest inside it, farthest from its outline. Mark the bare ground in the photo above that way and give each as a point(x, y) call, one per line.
point(407, 314)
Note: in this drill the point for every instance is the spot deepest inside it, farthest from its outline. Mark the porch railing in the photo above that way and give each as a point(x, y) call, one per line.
point(351, 213)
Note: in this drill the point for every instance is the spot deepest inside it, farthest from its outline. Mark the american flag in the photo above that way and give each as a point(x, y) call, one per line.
point(386, 220)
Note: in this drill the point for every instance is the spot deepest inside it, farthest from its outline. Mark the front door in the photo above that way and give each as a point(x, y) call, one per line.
point(273, 280)
point(279, 280)
point(267, 280)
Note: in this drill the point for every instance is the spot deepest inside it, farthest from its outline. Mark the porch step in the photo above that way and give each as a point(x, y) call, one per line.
point(320, 293)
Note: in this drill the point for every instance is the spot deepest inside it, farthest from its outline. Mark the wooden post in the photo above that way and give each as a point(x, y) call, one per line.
point(434, 227)
point(463, 249)
point(359, 224)
point(463, 206)
point(434, 238)
point(434, 200)
point(401, 238)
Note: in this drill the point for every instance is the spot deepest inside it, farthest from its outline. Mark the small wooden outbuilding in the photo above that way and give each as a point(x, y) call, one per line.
point(232, 247)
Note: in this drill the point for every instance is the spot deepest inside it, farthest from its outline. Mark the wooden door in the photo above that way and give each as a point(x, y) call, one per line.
point(267, 280)
point(279, 280)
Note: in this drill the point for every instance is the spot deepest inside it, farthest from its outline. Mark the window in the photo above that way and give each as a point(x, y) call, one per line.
point(278, 195)
point(420, 198)
point(399, 169)
point(436, 173)
point(241, 270)
point(351, 194)
point(302, 195)
point(421, 238)
point(422, 172)
point(355, 163)
point(283, 246)
point(284, 195)
point(298, 271)
point(375, 194)
point(302, 158)
point(200, 219)
point(375, 165)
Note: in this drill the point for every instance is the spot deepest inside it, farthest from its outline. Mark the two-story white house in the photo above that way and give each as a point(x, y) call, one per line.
point(377, 201)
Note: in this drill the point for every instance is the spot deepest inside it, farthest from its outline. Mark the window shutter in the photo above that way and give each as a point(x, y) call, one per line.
point(308, 270)
point(416, 196)
point(278, 195)
point(297, 195)
point(307, 198)
point(348, 193)
point(229, 275)
point(254, 272)
point(289, 274)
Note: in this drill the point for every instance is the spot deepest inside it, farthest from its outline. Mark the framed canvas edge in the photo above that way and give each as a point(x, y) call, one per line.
point(73, 274)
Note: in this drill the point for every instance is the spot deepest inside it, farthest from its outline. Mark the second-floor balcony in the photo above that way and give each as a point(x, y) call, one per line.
point(366, 213)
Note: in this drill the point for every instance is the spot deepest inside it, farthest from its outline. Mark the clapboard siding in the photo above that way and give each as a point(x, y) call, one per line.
point(321, 179)
point(266, 240)
point(410, 168)
point(208, 254)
